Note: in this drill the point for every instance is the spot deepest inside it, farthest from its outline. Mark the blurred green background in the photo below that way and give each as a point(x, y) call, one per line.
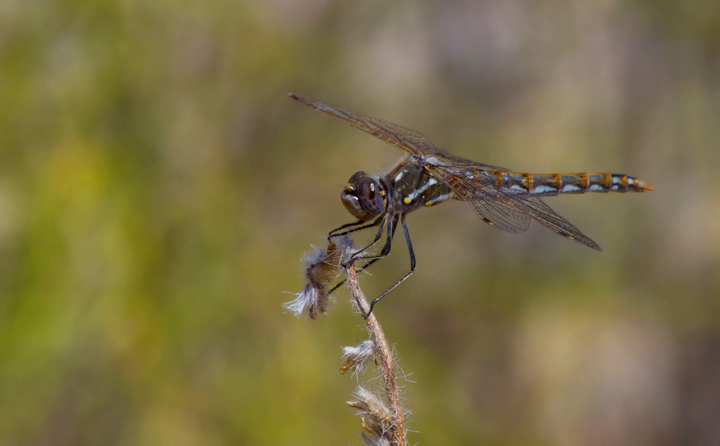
point(157, 191)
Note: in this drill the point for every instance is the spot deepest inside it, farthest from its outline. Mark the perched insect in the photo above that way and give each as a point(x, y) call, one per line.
point(427, 176)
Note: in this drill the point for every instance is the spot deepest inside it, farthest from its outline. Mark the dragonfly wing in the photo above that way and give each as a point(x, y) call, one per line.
point(409, 141)
point(543, 214)
point(451, 160)
point(510, 212)
point(501, 216)
point(470, 183)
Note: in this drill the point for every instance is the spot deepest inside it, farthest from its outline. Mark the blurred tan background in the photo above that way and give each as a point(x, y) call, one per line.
point(157, 191)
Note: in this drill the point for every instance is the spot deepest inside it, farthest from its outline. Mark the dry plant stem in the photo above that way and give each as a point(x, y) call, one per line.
point(386, 358)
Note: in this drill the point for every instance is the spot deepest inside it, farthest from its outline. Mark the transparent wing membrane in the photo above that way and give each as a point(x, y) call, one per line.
point(502, 217)
point(508, 211)
point(409, 141)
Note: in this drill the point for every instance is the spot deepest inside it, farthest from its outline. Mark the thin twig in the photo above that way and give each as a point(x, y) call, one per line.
point(387, 365)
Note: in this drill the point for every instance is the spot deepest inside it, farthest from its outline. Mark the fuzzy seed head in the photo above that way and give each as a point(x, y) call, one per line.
point(375, 417)
point(321, 268)
point(376, 441)
point(357, 358)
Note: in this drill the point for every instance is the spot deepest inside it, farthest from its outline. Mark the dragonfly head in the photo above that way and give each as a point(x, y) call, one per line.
point(363, 197)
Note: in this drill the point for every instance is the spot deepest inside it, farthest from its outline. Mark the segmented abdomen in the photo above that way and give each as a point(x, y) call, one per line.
point(567, 183)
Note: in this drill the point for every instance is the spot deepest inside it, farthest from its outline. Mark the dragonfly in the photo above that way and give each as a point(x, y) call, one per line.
point(427, 176)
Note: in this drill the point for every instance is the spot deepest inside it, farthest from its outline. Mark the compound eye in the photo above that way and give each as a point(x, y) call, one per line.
point(366, 190)
point(352, 204)
point(370, 196)
point(356, 177)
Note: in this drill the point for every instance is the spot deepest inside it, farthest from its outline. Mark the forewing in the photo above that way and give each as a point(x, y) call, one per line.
point(462, 164)
point(409, 141)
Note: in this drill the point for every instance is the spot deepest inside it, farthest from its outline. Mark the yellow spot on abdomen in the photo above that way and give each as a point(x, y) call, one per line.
point(527, 181)
point(607, 177)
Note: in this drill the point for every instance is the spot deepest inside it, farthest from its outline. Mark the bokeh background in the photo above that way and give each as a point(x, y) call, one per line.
point(157, 191)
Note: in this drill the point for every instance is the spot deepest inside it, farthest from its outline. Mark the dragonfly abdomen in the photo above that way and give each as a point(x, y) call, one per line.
point(568, 183)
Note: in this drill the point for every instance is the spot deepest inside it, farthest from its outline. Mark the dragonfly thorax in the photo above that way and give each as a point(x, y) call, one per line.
point(364, 197)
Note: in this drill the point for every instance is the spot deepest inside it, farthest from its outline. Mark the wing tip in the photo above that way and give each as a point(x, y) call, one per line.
point(589, 243)
point(582, 239)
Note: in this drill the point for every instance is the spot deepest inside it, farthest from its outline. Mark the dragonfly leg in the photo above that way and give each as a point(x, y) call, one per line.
point(391, 225)
point(412, 268)
point(356, 226)
point(385, 221)
point(334, 232)
point(364, 267)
